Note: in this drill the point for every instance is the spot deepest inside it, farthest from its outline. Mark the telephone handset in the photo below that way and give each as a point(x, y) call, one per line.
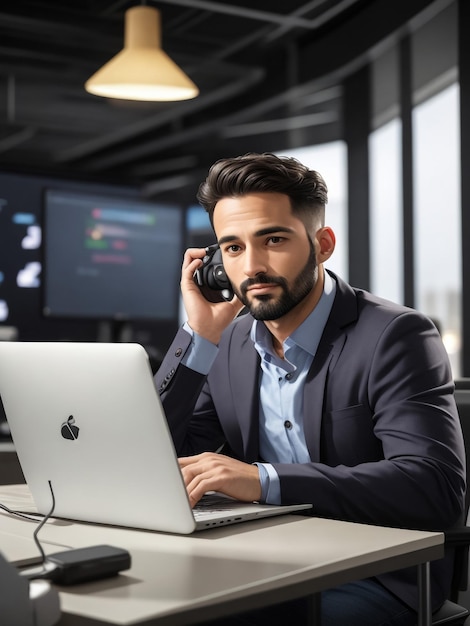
point(211, 277)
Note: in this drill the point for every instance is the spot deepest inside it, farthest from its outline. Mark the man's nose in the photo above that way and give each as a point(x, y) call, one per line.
point(255, 263)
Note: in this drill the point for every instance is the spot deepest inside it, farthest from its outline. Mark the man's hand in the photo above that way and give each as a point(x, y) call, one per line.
point(216, 472)
point(207, 319)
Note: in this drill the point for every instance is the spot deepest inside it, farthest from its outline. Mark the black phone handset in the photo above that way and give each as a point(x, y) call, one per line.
point(211, 277)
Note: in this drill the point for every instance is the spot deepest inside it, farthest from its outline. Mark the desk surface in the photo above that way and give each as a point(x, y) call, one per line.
point(184, 579)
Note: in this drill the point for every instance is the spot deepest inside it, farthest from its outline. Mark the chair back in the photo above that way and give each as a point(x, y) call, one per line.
point(462, 399)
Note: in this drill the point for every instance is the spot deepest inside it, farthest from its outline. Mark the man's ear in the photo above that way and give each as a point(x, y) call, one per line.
point(326, 242)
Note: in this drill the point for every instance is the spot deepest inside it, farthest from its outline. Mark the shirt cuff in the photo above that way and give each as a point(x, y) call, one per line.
point(200, 354)
point(270, 484)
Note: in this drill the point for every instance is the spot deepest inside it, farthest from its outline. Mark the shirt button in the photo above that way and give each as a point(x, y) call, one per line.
point(178, 352)
point(288, 424)
point(289, 376)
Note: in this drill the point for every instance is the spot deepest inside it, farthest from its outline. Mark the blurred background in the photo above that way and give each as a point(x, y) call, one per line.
point(98, 193)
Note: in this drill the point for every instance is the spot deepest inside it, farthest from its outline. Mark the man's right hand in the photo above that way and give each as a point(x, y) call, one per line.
point(207, 319)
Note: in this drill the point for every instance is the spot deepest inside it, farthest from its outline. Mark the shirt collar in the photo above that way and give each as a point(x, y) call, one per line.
point(307, 336)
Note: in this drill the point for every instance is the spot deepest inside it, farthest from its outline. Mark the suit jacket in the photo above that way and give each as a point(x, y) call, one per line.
point(380, 421)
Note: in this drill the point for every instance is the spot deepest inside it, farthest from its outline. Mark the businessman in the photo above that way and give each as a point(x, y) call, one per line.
point(318, 392)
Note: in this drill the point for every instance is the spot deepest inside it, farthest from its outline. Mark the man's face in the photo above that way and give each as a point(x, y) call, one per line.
point(267, 253)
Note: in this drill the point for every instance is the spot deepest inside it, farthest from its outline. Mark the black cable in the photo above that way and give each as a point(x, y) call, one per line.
point(39, 518)
point(75, 565)
point(45, 571)
point(3, 507)
point(44, 520)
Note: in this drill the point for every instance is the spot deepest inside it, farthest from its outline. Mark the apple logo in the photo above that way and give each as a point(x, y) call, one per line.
point(68, 430)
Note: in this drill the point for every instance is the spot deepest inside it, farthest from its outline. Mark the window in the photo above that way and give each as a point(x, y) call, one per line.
point(438, 280)
point(386, 212)
point(330, 160)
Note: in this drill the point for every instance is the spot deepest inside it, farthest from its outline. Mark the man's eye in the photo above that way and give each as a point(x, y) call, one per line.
point(276, 239)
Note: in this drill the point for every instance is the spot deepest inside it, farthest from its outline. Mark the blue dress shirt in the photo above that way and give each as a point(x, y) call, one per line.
point(281, 429)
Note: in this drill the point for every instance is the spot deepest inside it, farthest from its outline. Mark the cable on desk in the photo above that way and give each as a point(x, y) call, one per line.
point(30, 517)
point(3, 507)
point(38, 528)
point(76, 565)
point(46, 517)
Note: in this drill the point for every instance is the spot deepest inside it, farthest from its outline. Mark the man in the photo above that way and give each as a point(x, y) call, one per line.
point(321, 393)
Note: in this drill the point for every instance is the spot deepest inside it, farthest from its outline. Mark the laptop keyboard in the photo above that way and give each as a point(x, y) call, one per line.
point(213, 503)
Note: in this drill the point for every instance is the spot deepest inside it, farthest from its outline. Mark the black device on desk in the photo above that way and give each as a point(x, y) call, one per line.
point(81, 565)
point(211, 277)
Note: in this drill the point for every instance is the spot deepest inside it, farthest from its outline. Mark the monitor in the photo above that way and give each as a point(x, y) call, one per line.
point(110, 257)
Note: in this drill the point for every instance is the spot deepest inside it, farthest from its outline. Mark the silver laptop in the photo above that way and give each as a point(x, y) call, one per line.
point(87, 421)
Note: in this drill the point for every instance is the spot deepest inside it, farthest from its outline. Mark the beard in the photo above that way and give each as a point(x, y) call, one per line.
point(267, 307)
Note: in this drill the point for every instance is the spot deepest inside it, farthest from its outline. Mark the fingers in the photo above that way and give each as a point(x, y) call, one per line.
point(198, 476)
point(216, 472)
point(192, 260)
point(207, 319)
point(193, 256)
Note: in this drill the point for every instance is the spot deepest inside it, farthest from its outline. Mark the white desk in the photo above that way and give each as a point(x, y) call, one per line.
point(176, 580)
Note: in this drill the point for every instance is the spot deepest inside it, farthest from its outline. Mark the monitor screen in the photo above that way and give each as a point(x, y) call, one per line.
point(110, 258)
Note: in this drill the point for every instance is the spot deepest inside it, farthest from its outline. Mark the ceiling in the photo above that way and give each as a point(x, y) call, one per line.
point(247, 58)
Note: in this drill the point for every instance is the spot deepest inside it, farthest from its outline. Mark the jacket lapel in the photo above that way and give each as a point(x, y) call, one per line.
point(244, 370)
point(343, 313)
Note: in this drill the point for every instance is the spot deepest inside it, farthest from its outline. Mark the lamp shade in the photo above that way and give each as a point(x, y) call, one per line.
point(142, 70)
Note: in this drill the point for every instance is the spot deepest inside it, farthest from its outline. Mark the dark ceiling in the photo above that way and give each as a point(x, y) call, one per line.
point(249, 59)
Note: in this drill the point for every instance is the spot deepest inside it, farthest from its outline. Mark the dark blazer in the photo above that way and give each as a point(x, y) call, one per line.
point(380, 420)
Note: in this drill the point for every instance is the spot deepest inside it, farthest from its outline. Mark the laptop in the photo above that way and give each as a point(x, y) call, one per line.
point(87, 422)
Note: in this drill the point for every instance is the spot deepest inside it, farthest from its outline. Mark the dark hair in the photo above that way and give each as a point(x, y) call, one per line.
point(265, 173)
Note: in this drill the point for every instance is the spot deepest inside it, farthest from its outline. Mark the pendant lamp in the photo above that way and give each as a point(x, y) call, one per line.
point(142, 70)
